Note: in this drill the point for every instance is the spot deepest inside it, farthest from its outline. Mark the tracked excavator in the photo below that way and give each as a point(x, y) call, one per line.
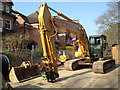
point(90, 51)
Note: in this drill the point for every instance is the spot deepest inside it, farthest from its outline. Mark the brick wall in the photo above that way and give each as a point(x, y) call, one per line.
point(35, 35)
point(7, 17)
point(20, 19)
point(10, 6)
point(62, 39)
point(32, 30)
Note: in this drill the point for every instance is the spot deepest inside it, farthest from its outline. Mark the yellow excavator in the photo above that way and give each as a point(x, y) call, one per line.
point(88, 53)
point(89, 50)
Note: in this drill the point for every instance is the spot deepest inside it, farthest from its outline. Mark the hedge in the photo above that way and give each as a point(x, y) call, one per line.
point(64, 47)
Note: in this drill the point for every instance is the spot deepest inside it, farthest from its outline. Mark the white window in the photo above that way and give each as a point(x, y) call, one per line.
point(16, 21)
point(7, 9)
point(1, 24)
point(8, 24)
point(56, 37)
point(1, 6)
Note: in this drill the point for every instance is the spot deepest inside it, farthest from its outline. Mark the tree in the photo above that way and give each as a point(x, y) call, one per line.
point(108, 22)
point(15, 41)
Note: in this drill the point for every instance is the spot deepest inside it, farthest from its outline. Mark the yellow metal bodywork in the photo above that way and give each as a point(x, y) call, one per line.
point(47, 25)
point(63, 58)
point(46, 31)
point(77, 54)
point(76, 29)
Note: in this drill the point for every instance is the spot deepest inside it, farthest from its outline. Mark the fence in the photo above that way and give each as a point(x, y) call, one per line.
point(17, 57)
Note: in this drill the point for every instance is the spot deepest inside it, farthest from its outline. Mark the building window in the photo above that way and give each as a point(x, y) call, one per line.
point(7, 9)
point(16, 22)
point(1, 6)
point(8, 24)
point(1, 23)
point(56, 37)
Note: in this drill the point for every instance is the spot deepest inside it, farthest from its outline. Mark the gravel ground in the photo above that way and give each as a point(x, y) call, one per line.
point(84, 78)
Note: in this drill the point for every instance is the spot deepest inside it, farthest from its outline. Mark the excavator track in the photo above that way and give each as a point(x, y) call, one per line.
point(71, 64)
point(103, 66)
point(75, 64)
point(100, 66)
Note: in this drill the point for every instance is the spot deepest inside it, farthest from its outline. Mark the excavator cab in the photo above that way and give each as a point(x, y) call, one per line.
point(97, 44)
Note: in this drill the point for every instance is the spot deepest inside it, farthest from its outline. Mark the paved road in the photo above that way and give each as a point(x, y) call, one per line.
point(84, 78)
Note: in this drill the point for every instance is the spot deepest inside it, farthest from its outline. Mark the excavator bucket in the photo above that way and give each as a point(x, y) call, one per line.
point(23, 73)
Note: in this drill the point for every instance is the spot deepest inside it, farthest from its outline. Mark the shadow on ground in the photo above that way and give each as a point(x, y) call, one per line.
point(109, 70)
point(61, 79)
point(31, 87)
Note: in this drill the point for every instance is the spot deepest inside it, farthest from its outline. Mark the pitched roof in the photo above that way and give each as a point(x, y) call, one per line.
point(7, 1)
point(33, 18)
point(11, 3)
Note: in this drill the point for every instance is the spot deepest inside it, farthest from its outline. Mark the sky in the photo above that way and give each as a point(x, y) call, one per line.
point(85, 12)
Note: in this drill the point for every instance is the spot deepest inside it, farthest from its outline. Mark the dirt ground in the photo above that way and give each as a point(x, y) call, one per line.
point(83, 78)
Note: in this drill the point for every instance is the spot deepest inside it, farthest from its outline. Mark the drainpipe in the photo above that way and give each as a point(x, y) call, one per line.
point(24, 27)
point(24, 33)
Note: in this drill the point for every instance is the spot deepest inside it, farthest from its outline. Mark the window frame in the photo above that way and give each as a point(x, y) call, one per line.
point(1, 5)
point(8, 9)
point(10, 24)
point(1, 20)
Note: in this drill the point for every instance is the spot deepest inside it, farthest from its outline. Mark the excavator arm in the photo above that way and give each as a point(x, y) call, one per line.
point(47, 25)
point(48, 43)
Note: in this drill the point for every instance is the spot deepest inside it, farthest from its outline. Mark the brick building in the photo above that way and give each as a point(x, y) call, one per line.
point(7, 19)
point(13, 21)
point(62, 38)
point(29, 30)
point(33, 20)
